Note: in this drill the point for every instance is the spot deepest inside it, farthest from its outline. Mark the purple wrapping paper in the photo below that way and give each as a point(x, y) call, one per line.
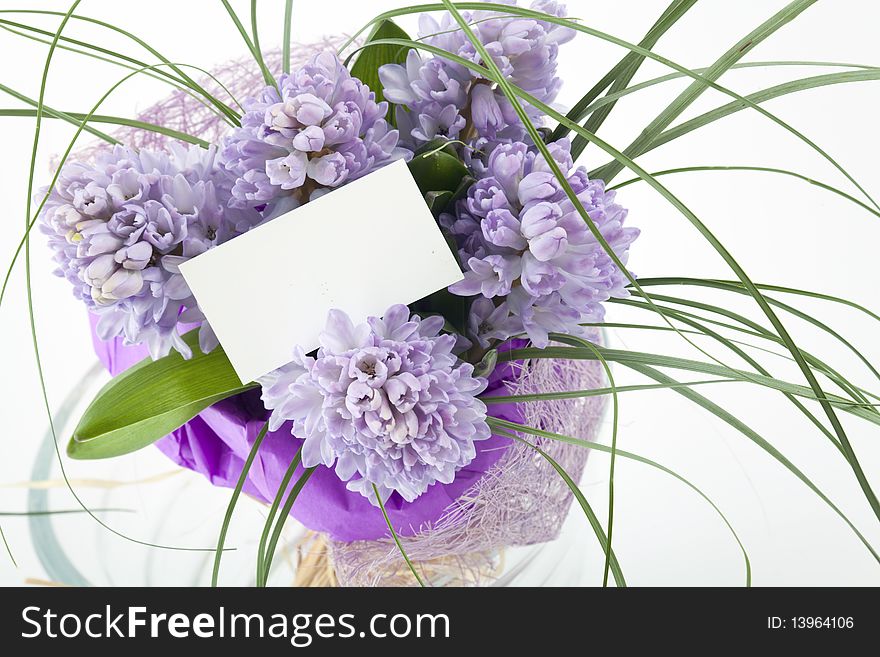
point(217, 441)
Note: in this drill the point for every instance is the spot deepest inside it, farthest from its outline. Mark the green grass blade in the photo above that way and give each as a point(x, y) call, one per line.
point(593, 392)
point(646, 84)
point(599, 447)
point(627, 357)
point(756, 438)
point(592, 518)
point(396, 539)
point(285, 44)
point(230, 114)
point(763, 286)
point(59, 512)
point(76, 119)
point(756, 98)
point(696, 89)
point(48, 111)
point(615, 419)
point(258, 57)
point(736, 349)
point(760, 332)
point(285, 514)
point(115, 60)
point(784, 172)
point(262, 573)
point(731, 286)
point(233, 500)
point(619, 76)
point(258, 51)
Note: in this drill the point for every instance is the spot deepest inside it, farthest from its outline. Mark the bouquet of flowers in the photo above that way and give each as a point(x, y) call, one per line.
point(421, 442)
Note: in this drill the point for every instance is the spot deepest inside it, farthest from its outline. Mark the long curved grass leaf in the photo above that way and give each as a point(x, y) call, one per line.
point(48, 111)
point(696, 89)
point(170, 79)
point(736, 349)
point(738, 289)
point(258, 57)
point(592, 518)
point(233, 500)
point(669, 77)
point(785, 172)
point(615, 420)
point(756, 98)
point(258, 51)
point(230, 114)
point(285, 514)
point(285, 44)
point(709, 282)
point(397, 542)
point(76, 119)
point(592, 392)
point(59, 512)
point(47, 547)
point(132, 64)
point(624, 71)
point(759, 331)
point(756, 438)
point(599, 447)
point(262, 573)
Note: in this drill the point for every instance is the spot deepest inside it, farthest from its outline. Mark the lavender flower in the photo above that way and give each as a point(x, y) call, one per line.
point(437, 97)
point(524, 245)
point(386, 401)
point(318, 129)
point(120, 228)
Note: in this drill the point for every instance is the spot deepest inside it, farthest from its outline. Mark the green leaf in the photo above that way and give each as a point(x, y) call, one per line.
point(437, 171)
point(487, 364)
point(152, 399)
point(366, 68)
point(438, 201)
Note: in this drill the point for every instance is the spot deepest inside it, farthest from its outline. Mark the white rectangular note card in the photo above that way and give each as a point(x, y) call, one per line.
point(361, 248)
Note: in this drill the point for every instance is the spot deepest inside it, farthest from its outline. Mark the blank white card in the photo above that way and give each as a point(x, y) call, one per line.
point(361, 248)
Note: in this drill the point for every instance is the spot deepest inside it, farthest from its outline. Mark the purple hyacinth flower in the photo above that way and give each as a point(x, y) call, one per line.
point(387, 403)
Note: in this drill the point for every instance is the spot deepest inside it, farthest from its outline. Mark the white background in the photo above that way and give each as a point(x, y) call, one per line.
point(782, 231)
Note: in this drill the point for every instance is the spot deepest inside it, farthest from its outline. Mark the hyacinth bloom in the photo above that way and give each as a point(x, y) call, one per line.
point(525, 246)
point(387, 402)
point(121, 226)
point(437, 97)
point(316, 130)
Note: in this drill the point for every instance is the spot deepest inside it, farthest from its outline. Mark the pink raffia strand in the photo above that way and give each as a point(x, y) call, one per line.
point(521, 500)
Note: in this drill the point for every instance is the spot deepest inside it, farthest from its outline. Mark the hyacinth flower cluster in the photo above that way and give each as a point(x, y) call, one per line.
point(316, 130)
point(440, 98)
point(387, 402)
point(527, 252)
point(121, 226)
